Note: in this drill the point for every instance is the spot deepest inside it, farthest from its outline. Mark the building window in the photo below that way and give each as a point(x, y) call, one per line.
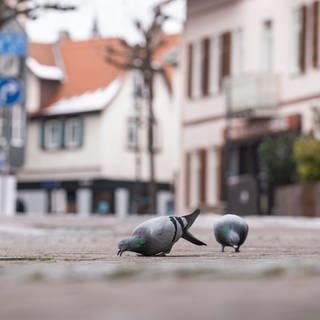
point(135, 141)
point(53, 134)
point(299, 40)
point(236, 52)
point(316, 33)
point(214, 64)
point(205, 65)
point(189, 70)
point(225, 60)
point(138, 84)
point(73, 133)
point(210, 61)
point(132, 133)
point(17, 125)
point(267, 46)
point(57, 133)
point(222, 60)
point(196, 69)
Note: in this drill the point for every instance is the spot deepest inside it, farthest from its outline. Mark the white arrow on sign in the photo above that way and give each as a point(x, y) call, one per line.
point(10, 91)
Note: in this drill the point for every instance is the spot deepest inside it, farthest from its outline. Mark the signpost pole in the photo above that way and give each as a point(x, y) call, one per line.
point(13, 49)
point(6, 160)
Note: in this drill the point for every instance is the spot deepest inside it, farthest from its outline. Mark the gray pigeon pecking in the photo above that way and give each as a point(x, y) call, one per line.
point(231, 231)
point(158, 235)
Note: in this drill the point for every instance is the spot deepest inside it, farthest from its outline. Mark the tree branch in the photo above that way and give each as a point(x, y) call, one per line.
point(120, 65)
point(27, 8)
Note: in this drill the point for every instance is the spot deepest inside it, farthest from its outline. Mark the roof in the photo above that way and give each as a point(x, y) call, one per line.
point(80, 67)
point(44, 71)
point(42, 53)
point(87, 102)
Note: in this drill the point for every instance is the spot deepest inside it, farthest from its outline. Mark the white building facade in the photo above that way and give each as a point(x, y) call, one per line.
point(250, 70)
point(87, 154)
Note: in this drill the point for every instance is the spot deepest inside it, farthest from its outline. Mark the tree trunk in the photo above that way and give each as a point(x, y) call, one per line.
point(152, 184)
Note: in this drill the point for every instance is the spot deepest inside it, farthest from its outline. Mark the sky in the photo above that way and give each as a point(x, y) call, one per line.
point(114, 18)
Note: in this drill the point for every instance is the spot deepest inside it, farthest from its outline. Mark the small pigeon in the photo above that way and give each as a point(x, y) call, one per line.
point(158, 235)
point(231, 231)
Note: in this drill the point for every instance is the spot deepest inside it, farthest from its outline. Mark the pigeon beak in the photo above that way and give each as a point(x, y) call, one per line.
point(119, 252)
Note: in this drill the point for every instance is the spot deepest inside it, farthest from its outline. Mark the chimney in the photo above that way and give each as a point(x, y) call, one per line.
point(63, 35)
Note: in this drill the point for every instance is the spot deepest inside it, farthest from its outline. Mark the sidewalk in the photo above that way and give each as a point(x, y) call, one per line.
point(67, 268)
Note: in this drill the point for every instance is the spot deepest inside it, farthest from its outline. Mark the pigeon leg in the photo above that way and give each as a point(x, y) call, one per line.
point(222, 249)
point(237, 249)
point(161, 254)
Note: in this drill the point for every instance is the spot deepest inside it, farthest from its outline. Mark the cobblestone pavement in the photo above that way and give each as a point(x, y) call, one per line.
point(67, 268)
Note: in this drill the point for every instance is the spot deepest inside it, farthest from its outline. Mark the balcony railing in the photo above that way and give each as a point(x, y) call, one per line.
point(252, 95)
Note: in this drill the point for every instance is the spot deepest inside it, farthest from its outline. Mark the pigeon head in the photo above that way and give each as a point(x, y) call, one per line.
point(234, 239)
point(134, 243)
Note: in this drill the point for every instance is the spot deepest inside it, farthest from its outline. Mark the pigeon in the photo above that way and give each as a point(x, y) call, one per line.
point(158, 235)
point(231, 231)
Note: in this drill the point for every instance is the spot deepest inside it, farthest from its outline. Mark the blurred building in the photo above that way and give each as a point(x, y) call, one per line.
point(250, 69)
point(86, 136)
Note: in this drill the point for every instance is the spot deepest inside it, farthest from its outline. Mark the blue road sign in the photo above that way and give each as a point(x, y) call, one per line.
point(11, 91)
point(14, 44)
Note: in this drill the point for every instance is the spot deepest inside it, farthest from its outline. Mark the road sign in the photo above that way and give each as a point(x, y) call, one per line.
point(13, 44)
point(11, 91)
point(9, 65)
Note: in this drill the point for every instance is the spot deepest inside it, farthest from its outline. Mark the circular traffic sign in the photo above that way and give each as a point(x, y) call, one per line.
point(11, 91)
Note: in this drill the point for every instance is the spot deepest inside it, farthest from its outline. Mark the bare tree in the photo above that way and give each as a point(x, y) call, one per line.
point(140, 57)
point(11, 9)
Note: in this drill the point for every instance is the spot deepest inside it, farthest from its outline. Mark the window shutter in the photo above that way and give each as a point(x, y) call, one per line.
point(62, 133)
point(303, 38)
point(41, 135)
point(81, 133)
point(205, 66)
point(189, 70)
point(187, 178)
point(315, 51)
point(203, 176)
point(226, 56)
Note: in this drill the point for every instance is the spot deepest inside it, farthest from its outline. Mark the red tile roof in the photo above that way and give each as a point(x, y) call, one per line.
point(84, 64)
point(42, 52)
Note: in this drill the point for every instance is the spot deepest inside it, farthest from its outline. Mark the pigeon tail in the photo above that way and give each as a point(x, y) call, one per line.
point(189, 237)
point(234, 238)
point(191, 218)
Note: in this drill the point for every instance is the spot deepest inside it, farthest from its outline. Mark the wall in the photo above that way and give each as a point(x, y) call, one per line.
point(104, 153)
point(33, 92)
point(119, 161)
point(203, 118)
point(82, 163)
